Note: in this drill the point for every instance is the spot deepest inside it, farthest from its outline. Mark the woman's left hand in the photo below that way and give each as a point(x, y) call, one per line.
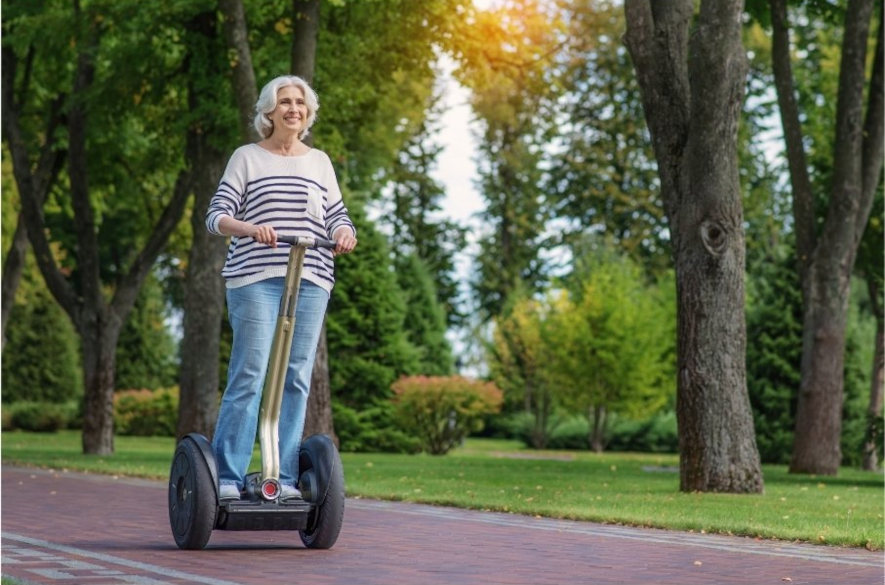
point(346, 240)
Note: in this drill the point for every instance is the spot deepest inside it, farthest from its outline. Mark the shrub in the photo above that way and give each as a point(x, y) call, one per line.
point(146, 413)
point(39, 417)
point(371, 431)
point(657, 434)
point(441, 410)
point(40, 356)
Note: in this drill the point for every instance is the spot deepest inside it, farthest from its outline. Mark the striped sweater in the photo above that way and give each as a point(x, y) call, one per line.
point(297, 195)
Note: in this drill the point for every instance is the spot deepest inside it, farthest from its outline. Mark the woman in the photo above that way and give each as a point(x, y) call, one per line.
point(276, 186)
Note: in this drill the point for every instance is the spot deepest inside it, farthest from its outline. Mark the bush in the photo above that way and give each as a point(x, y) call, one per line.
point(39, 417)
point(572, 433)
point(41, 360)
point(146, 413)
point(371, 431)
point(442, 410)
point(657, 434)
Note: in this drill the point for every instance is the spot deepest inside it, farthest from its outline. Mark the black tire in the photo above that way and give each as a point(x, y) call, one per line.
point(324, 522)
point(193, 502)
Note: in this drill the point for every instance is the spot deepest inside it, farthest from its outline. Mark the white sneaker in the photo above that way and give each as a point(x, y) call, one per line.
point(228, 491)
point(289, 492)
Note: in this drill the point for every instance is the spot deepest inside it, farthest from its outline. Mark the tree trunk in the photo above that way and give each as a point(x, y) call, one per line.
point(304, 38)
point(597, 433)
point(874, 412)
point(306, 18)
point(826, 260)
point(692, 94)
point(204, 290)
point(99, 336)
point(13, 266)
point(245, 90)
point(319, 402)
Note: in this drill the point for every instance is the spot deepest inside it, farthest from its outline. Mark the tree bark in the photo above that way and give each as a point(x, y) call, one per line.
point(304, 38)
point(692, 92)
point(13, 266)
point(877, 383)
point(318, 419)
point(597, 433)
point(826, 260)
point(236, 33)
point(204, 292)
point(306, 18)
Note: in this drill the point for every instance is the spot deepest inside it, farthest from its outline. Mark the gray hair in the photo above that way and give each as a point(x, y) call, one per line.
point(267, 102)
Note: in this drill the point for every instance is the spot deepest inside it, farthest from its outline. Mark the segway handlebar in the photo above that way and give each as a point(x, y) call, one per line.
point(307, 242)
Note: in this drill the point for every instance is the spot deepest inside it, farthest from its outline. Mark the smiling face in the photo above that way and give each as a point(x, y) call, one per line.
point(290, 115)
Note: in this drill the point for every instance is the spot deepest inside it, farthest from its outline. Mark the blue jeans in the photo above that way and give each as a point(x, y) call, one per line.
point(253, 311)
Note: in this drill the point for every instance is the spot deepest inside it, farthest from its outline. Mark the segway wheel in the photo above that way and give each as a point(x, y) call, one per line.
point(324, 521)
point(193, 502)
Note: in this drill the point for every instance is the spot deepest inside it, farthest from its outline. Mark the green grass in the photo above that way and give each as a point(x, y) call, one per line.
point(617, 488)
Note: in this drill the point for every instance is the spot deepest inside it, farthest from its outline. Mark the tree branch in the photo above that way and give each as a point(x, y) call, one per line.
point(27, 183)
point(78, 163)
point(803, 198)
point(874, 129)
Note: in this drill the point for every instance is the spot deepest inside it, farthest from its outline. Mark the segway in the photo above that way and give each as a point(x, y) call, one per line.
point(194, 507)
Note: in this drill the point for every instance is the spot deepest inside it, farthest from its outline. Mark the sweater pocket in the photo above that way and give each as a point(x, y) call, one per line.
point(315, 204)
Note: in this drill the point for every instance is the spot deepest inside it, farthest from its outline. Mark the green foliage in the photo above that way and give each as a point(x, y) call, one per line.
point(146, 413)
point(657, 434)
point(614, 338)
point(859, 333)
point(508, 67)
point(603, 175)
point(368, 346)
point(371, 430)
point(424, 320)
point(774, 326)
point(519, 360)
point(442, 410)
point(411, 204)
point(41, 352)
point(146, 352)
point(39, 417)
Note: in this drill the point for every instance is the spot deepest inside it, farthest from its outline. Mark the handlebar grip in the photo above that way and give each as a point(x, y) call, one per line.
point(307, 242)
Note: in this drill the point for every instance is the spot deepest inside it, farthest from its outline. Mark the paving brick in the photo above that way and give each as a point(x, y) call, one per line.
point(97, 530)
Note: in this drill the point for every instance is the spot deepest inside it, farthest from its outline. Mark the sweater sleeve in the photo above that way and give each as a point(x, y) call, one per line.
point(336, 213)
point(230, 194)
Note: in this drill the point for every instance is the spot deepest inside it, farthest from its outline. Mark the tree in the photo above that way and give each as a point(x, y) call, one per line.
point(610, 341)
point(81, 293)
point(365, 324)
point(146, 354)
point(692, 90)
point(425, 321)
point(513, 96)
point(774, 323)
point(203, 302)
point(826, 250)
point(603, 177)
point(412, 203)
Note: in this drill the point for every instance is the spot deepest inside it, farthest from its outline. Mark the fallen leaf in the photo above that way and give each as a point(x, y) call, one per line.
point(698, 563)
point(786, 579)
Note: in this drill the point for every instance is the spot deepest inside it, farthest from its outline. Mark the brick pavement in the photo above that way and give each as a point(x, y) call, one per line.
point(85, 529)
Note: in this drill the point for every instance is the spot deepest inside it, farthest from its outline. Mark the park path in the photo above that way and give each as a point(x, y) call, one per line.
point(82, 529)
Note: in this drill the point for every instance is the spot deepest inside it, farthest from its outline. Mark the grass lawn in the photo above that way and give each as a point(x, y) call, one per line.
point(618, 488)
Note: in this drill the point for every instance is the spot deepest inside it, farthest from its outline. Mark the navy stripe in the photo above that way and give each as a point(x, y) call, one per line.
point(286, 178)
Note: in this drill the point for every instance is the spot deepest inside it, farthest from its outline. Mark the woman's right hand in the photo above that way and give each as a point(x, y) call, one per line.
point(265, 234)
